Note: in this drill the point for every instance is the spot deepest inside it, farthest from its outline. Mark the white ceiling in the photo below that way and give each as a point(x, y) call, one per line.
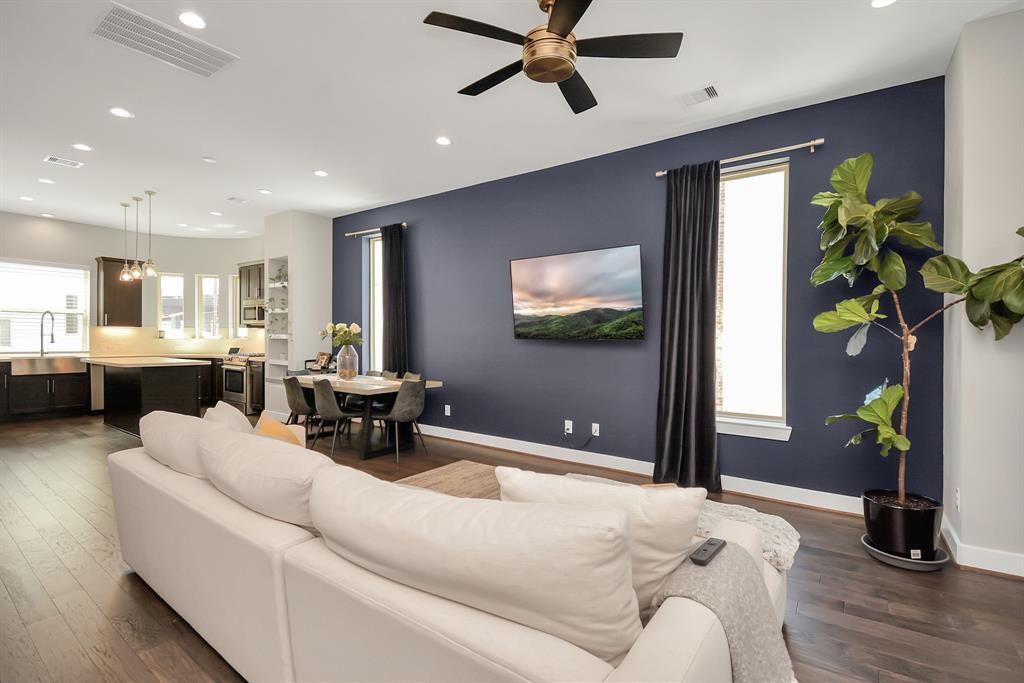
point(361, 89)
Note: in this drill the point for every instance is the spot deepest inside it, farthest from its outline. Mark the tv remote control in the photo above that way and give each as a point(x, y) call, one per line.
point(702, 555)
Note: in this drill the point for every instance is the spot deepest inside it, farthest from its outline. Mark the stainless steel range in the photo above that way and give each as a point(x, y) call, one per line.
point(241, 371)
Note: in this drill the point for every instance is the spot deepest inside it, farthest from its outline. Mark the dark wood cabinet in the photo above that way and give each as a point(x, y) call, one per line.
point(5, 380)
point(250, 281)
point(118, 304)
point(256, 388)
point(211, 381)
point(70, 392)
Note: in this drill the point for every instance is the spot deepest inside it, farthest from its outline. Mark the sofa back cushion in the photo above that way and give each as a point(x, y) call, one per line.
point(229, 416)
point(559, 569)
point(173, 440)
point(662, 520)
point(265, 475)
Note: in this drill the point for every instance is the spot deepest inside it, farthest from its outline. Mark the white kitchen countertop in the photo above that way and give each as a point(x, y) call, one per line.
point(143, 361)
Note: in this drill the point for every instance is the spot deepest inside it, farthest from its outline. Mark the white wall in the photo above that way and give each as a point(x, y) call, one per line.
point(983, 425)
point(32, 238)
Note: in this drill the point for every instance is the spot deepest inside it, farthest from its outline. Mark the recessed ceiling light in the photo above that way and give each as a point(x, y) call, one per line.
point(210, 160)
point(121, 112)
point(46, 181)
point(320, 174)
point(879, 4)
point(223, 225)
point(443, 140)
point(82, 147)
point(182, 225)
point(192, 20)
point(46, 215)
point(264, 191)
point(200, 229)
point(216, 213)
point(241, 232)
point(26, 199)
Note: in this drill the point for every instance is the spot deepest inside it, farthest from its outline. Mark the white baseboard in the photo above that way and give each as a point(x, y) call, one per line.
point(780, 492)
point(981, 558)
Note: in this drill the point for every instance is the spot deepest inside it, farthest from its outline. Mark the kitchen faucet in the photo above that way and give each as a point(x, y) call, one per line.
point(42, 320)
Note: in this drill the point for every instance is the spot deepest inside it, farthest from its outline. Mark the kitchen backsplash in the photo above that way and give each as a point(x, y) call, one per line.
point(138, 341)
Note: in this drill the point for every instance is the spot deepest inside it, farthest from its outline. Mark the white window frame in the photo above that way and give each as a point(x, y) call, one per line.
point(375, 324)
point(199, 305)
point(85, 322)
point(160, 304)
point(763, 426)
point(235, 328)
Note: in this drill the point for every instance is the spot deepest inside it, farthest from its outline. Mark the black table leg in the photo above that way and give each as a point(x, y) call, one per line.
point(366, 429)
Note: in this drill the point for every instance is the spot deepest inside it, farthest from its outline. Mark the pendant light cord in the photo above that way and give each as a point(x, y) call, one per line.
point(125, 207)
point(150, 195)
point(137, 229)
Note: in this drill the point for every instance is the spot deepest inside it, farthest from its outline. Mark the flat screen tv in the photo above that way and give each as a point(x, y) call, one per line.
point(584, 295)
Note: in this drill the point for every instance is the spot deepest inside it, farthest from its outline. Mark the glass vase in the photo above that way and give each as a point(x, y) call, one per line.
point(348, 362)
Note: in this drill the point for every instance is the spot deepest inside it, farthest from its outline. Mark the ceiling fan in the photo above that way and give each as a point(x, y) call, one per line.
point(550, 50)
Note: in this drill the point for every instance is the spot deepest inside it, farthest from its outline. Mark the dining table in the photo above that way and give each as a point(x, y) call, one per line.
point(369, 387)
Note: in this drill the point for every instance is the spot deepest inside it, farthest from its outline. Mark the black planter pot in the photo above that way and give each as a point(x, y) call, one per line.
point(910, 531)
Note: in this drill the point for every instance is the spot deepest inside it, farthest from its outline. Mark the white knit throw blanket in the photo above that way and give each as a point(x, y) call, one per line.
point(779, 540)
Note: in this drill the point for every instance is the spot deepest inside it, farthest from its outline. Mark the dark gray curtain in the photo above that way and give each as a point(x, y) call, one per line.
point(687, 443)
point(396, 335)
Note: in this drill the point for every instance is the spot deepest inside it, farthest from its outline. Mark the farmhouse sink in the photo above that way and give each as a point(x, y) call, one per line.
point(47, 365)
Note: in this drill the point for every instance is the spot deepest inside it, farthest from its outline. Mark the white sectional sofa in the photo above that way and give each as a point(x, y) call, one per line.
point(279, 605)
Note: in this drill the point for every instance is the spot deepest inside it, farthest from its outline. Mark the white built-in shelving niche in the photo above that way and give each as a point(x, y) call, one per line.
point(278, 324)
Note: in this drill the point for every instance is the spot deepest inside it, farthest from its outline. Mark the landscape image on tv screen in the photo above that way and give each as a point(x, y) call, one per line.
point(583, 295)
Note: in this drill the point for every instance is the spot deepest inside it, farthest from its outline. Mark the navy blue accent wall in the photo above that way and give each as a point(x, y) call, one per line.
point(460, 243)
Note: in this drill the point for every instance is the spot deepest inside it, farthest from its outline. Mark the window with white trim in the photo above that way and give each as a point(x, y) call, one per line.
point(751, 308)
point(27, 291)
point(376, 334)
point(208, 306)
point(238, 330)
point(170, 304)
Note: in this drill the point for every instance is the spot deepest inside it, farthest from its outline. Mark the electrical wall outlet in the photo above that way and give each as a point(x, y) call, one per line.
point(956, 498)
point(447, 410)
point(568, 426)
point(595, 429)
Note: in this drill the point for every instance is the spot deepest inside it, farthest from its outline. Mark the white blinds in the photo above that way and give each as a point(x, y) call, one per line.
point(29, 289)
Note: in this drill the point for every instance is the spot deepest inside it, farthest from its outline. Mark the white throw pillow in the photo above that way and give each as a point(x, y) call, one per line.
point(662, 521)
point(173, 439)
point(560, 569)
point(229, 416)
point(265, 475)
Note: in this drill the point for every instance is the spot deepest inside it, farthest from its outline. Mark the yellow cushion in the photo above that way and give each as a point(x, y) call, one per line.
point(272, 429)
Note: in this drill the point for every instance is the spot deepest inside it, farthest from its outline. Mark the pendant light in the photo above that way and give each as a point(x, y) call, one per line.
point(126, 273)
point(149, 267)
point(136, 270)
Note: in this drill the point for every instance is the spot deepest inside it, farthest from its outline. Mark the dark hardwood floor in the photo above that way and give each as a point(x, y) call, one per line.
point(71, 610)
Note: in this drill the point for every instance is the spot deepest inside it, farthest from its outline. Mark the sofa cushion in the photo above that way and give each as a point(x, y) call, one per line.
point(662, 520)
point(272, 429)
point(173, 440)
point(265, 475)
point(229, 416)
point(560, 569)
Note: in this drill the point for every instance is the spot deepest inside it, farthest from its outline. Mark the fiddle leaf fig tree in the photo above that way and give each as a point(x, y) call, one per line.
point(858, 236)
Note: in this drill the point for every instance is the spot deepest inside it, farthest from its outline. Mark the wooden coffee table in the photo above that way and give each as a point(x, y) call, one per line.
point(463, 478)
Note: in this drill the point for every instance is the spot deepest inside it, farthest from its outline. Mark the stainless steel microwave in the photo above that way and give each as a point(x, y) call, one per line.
point(253, 313)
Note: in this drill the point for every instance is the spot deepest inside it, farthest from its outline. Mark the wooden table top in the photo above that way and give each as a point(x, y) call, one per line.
point(462, 478)
point(362, 385)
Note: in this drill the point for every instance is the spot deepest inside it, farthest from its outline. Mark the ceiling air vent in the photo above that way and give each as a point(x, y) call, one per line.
point(60, 161)
point(156, 39)
point(708, 92)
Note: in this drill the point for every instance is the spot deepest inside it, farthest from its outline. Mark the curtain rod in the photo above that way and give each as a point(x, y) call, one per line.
point(816, 142)
point(370, 231)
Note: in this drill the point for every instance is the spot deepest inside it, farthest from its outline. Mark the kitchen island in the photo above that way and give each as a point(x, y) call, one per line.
point(136, 386)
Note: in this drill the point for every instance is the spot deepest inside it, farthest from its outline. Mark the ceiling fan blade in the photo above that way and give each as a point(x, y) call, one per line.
point(637, 46)
point(491, 80)
point(577, 93)
point(566, 14)
point(475, 27)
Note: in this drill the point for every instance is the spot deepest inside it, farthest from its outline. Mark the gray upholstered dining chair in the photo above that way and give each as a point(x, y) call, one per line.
point(373, 373)
point(329, 410)
point(412, 375)
point(298, 405)
point(389, 374)
point(408, 407)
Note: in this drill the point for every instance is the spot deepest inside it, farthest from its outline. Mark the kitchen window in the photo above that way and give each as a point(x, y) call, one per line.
point(208, 306)
point(27, 291)
point(750, 358)
point(238, 330)
point(170, 304)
